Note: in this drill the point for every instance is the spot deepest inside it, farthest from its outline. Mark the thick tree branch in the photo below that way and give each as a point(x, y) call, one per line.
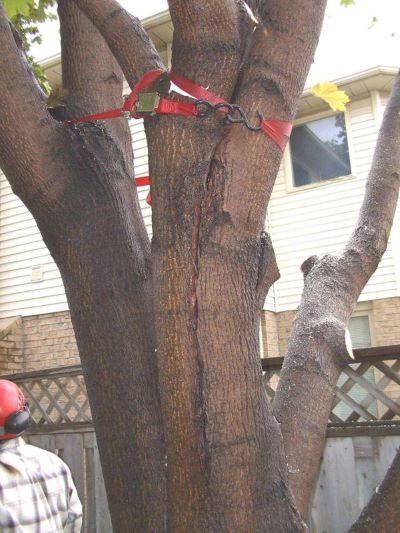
point(91, 76)
point(204, 31)
point(77, 182)
point(28, 136)
point(382, 513)
point(272, 82)
point(24, 59)
point(104, 256)
point(369, 239)
point(209, 211)
point(124, 35)
point(317, 348)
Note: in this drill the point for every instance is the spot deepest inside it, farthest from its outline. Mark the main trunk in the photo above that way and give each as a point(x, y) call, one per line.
point(226, 468)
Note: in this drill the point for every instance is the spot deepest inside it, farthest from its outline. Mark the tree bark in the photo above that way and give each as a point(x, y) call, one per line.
point(383, 511)
point(317, 348)
point(217, 474)
point(209, 267)
point(77, 182)
point(224, 448)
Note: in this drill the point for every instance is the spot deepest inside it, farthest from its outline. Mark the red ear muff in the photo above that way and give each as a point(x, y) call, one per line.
point(18, 421)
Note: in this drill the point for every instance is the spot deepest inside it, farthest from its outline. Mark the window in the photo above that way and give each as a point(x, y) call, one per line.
point(360, 333)
point(320, 150)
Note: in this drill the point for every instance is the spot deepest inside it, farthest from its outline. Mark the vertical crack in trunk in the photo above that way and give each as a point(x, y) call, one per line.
point(200, 395)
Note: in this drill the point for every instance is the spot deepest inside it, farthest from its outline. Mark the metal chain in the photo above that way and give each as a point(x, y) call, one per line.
point(235, 114)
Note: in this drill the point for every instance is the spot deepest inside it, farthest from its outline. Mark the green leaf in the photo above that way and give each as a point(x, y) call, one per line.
point(347, 3)
point(15, 7)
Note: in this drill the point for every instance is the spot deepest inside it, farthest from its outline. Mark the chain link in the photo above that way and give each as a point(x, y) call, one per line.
point(235, 114)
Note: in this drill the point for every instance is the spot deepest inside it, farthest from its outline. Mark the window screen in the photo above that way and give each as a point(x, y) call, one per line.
point(319, 150)
point(360, 334)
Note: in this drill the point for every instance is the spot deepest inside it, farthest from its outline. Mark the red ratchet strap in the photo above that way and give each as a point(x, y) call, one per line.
point(142, 182)
point(278, 130)
point(197, 91)
point(165, 105)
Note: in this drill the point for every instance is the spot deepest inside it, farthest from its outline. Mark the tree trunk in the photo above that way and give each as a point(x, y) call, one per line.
point(195, 299)
point(102, 252)
point(107, 278)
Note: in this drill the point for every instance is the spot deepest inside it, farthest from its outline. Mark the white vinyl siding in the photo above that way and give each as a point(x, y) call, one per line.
point(319, 219)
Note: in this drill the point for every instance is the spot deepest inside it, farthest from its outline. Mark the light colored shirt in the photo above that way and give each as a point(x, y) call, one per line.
point(37, 494)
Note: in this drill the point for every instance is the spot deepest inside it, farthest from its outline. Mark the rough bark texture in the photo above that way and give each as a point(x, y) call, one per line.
point(210, 263)
point(332, 285)
point(383, 511)
point(224, 473)
point(207, 247)
point(77, 182)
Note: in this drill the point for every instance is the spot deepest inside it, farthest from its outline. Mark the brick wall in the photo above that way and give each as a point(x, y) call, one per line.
point(269, 335)
point(46, 341)
point(386, 321)
point(11, 345)
point(49, 341)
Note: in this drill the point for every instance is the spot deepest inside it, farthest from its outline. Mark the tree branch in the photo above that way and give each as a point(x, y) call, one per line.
point(28, 132)
point(382, 513)
point(317, 348)
point(205, 30)
point(91, 75)
point(271, 82)
point(268, 271)
point(368, 242)
point(125, 36)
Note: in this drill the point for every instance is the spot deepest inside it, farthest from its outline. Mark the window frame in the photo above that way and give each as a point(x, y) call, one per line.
point(287, 156)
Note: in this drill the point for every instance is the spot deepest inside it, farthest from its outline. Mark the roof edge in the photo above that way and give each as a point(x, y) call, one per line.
point(361, 75)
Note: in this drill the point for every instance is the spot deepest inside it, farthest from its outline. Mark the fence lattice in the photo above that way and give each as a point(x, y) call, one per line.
point(368, 391)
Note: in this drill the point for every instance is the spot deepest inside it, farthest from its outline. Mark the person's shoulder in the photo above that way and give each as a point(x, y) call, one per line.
point(44, 457)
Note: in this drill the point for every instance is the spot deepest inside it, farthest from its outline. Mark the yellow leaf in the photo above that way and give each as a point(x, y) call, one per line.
point(330, 93)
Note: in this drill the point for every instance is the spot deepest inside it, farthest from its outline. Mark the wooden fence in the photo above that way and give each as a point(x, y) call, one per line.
point(362, 435)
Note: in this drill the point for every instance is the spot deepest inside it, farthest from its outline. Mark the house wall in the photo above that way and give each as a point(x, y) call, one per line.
point(48, 341)
point(11, 345)
point(319, 218)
